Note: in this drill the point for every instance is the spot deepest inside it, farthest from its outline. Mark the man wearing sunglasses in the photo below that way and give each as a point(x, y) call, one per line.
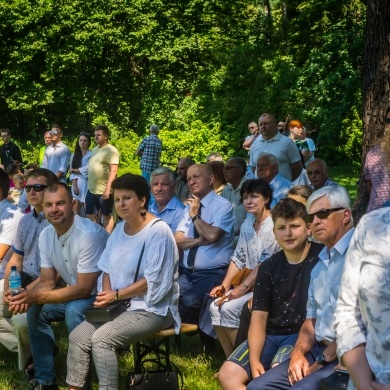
point(317, 172)
point(314, 355)
point(14, 330)
point(57, 155)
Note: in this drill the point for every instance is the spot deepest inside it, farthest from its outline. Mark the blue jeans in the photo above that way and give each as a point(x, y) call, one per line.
point(39, 318)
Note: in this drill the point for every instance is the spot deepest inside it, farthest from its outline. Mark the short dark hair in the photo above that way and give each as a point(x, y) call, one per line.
point(56, 186)
point(12, 169)
point(104, 129)
point(50, 177)
point(188, 160)
point(259, 186)
point(135, 183)
point(288, 209)
point(240, 162)
point(5, 131)
point(57, 126)
point(4, 183)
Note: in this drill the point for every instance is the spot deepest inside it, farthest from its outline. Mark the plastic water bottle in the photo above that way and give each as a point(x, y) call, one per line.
point(15, 281)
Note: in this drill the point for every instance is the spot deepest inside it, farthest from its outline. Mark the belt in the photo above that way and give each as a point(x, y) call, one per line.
point(192, 270)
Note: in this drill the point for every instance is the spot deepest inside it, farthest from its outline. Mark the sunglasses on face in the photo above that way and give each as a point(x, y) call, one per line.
point(316, 172)
point(36, 187)
point(387, 120)
point(322, 214)
point(53, 132)
point(229, 168)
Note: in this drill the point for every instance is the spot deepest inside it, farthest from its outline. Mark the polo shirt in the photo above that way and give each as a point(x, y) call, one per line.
point(171, 214)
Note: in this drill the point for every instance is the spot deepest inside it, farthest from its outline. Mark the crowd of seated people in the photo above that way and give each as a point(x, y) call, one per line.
point(311, 291)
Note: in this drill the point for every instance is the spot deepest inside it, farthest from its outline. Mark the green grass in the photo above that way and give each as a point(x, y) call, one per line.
point(346, 176)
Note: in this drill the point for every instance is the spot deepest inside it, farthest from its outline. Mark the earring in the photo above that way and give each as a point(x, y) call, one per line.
point(143, 212)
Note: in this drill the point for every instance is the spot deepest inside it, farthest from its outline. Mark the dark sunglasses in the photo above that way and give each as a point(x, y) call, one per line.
point(36, 187)
point(387, 120)
point(54, 132)
point(322, 214)
point(316, 172)
point(85, 134)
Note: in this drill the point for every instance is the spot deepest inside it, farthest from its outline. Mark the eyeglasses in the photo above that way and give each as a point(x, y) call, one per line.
point(36, 187)
point(316, 172)
point(53, 132)
point(229, 168)
point(85, 134)
point(387, 120)
point(322, 214)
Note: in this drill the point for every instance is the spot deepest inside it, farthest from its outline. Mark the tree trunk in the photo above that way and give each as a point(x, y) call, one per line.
point(376, 86)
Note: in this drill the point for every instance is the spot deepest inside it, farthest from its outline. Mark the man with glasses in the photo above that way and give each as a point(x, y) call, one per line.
point(254, 130)
point(13, 329)
point(314, 355)
point(234, 171)
point(57, 155)
point(9, 152)
point(317, 172)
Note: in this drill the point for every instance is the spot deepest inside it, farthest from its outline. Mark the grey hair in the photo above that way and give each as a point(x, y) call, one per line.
point(271, 157)
point(163, 171)
point(154, 129)
point(337, 196)
point(239, 161)
point(320, 160)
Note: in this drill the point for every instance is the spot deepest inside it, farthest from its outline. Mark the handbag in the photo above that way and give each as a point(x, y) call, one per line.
point(336, 381)
point(114, 309)
point(153, 380)
point(240, 276)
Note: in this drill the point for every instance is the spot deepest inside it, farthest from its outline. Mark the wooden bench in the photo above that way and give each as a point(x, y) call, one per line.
point(158, 345)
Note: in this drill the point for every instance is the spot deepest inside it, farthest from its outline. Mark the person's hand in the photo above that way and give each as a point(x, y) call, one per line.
point(379, 386)
point(103, 298)
point(257, 369)
point(217, 291)
point(106, 194)
point(6, 297)
point(313, 368)
point(298, 368)
point(194, 202)
point(202, 241)
point(75, 189)
point(21, 302)
point(238, 292)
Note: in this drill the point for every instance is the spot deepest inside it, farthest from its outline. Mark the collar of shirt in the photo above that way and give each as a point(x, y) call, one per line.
point(341, 246)
point(208, 198)
point(171, 205)
point(275, 138)
point(230, 187)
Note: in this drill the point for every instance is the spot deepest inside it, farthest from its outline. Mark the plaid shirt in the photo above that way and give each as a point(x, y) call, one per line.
point(376, 171)
point(151, 151)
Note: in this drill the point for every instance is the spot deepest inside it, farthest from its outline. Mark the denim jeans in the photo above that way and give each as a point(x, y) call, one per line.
point(41, 334)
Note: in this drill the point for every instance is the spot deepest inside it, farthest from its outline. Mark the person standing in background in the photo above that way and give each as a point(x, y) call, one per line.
point(47, 139)
point(150, 152)
point(9, 152)
point(57, 155)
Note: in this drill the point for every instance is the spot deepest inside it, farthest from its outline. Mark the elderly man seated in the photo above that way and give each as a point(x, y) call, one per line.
point(317, 171)
point(165, 205)
point(268, 169)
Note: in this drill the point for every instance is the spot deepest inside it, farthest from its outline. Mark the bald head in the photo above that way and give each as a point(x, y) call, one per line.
point(200, 179)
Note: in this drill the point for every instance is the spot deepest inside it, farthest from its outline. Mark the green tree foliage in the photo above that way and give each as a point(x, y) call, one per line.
point(200, 69)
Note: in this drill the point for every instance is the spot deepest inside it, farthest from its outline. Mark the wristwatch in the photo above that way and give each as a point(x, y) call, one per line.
point(197, 216)
point(321, 359)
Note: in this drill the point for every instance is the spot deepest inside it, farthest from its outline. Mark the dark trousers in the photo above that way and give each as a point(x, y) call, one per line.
point(276, 378)
point(193, 288)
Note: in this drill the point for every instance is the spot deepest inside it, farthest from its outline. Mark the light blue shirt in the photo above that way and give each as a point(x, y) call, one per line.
point(279, 186)
point(324, 287)
point(218, 212)
point(56, 159)
point(172, 213)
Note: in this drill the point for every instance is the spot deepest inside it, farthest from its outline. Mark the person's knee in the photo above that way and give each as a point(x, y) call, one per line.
point(231, 374)
point(19, 322)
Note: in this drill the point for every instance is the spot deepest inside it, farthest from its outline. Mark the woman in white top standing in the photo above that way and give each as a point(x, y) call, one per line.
point(79, 170)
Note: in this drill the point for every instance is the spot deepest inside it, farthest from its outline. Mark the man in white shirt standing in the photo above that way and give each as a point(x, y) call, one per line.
point(57, 155)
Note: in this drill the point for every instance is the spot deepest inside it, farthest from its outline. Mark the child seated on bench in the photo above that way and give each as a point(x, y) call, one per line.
point(279, 299)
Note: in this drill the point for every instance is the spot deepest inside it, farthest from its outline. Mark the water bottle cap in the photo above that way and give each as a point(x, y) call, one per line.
point(13, 268)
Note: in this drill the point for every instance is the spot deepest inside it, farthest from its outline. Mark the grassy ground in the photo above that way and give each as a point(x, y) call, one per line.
point(197, 369)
